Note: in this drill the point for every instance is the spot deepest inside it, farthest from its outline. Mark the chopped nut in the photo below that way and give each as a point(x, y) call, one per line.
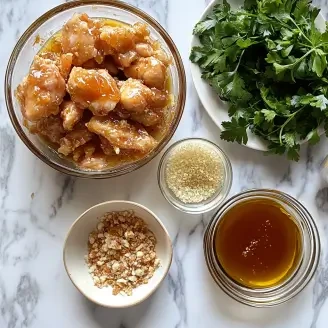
point(139, 272)
point(140, 254)
point(123, 254)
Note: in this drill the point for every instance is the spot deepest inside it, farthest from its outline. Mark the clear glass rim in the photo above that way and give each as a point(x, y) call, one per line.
point(126, 168)
point(266, 297)
point(196, 209)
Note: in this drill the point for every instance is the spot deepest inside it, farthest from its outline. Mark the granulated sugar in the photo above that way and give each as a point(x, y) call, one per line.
point(194, 172)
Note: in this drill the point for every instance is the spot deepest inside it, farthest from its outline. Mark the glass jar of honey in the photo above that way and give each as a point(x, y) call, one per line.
point(262, 247)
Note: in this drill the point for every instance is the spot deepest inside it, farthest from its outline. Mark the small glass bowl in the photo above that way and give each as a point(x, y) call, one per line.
point(204, 206)
point(307, 265)
point(51, 22)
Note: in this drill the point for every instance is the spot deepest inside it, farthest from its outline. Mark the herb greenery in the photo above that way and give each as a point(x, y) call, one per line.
point(268, 60)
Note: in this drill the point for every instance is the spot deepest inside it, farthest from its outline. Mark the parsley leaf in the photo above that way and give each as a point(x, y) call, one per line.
point(235, 131)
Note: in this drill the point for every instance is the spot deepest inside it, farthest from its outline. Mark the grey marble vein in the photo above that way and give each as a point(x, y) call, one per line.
point(176, 280)
point(9, 237)
point(321, 199)
point(18, 310)
point(7, 156)
point(306, 172)
point(320, 291)
point(66, 194)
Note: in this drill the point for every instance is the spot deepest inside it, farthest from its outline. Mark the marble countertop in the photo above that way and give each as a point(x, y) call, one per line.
point(39, 204)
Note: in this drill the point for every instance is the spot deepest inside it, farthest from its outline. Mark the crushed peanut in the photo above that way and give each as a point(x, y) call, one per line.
point(194, 172)
point(121, 252)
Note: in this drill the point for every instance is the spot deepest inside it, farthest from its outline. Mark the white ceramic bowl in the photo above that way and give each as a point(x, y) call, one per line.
point(76, 247)
point(215, 107)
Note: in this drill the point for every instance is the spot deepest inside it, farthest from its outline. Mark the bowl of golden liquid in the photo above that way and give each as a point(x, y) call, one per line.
point(262, 247)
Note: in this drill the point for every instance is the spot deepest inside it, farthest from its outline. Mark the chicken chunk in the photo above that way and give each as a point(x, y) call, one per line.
point(42, 90)
point(76, 138)
point(79, 37)
point(71, 114)
point(85, 151)
point(147, 118)
point(116, 39)
point(122, 112)
point(121, 134)
point(121, 39)
point(159, 99)
point(141, 32)
point(50, 127)
point(65, 65)
point(126, 59)
point(134, 95)
point(107, 147)
point(151, 70)
point(94, 89)
point(144, 49)
point(94, 163)
point(63, 62)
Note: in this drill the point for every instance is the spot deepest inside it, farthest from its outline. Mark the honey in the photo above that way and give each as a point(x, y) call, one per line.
point(258, 244)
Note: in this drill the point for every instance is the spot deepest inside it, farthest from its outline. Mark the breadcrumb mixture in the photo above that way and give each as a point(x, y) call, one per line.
point(121, 252)
point(194, 172)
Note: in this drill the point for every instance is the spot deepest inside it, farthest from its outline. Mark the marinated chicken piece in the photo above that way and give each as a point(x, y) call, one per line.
point(42, 90)
point(134, 95)
point(71, 114)
point(107, 147)
point(65, 65)
point(141, 32)
point(146, 118)
point(159, 99)
point(126, 59)
point(95, 163)
point(63, 62)
point(122, 112)
point(76, 138)
point(108, 63)
point(114, 40)
point(51, 127)
point(144, 49)
point(79, 38)
point(85, 151)
point(163, 57)
point(121, 134)
point(93, 89)
point(150, 70)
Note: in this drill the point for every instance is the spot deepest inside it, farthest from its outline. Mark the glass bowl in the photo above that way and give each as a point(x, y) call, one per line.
point(43, 28)
point(204, 206)
point(302, 274)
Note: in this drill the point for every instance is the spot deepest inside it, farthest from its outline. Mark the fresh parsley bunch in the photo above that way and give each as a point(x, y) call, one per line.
point(269, 62)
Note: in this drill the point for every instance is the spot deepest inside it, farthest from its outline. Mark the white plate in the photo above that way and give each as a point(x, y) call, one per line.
point(215, 107)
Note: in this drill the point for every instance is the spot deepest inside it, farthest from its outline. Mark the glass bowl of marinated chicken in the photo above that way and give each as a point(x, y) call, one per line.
point(95, 89)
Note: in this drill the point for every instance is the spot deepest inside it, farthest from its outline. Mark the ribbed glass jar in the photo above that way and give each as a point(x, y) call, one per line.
point(309, 257)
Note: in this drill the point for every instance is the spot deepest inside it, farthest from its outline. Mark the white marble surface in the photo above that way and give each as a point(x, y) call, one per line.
point(34, 288)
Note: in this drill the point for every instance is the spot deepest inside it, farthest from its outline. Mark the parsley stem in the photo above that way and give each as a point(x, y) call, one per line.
point(239, 61)
point(291, 116)
point(305, 45)
point(299, 59)
point(291, 19)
